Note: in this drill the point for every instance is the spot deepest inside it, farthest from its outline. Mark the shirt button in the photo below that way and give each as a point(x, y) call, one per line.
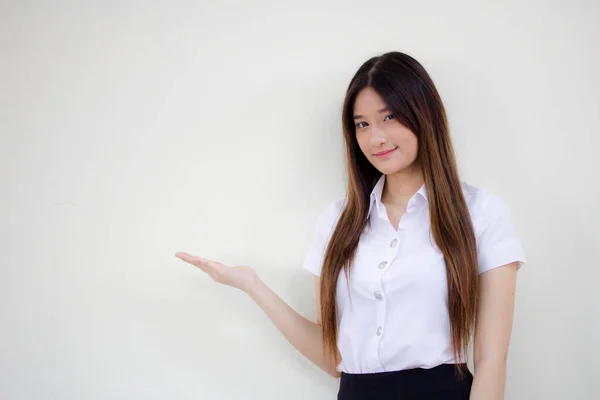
point(394, 242)
point(382, 265)
point(379, 331)
point(378, 296)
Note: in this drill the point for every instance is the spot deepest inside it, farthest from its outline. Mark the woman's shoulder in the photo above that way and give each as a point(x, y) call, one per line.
point(324, 228)
point(331, 212)
point(484, 204)
point(497, 241)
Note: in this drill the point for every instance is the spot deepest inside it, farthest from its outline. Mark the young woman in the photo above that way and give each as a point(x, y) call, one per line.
point(410, 264)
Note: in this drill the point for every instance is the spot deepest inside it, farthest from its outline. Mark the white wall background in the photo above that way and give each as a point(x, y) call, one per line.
point(132, 130)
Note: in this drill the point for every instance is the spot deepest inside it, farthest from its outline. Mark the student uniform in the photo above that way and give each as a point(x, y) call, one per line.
point(394, 329)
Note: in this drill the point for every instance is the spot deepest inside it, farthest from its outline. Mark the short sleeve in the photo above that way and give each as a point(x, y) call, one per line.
point(497, 242)
point(314, 257)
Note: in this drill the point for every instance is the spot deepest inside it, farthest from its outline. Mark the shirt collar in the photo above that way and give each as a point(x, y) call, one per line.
point(377, 191)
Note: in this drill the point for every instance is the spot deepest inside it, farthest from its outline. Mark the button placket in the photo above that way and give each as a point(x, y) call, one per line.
point(392, 254)
point(381, 307)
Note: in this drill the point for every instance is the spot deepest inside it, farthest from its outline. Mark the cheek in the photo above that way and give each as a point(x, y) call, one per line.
point(414, 146)
point(363, 143)
point(409, 144)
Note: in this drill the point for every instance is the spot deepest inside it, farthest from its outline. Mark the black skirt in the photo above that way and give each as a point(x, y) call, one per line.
point(439, 382)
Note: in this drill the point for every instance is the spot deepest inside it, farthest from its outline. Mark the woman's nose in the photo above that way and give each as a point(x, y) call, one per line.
point(377, 136)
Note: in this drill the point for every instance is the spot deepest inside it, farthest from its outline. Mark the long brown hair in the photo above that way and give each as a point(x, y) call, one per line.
point(409, 92)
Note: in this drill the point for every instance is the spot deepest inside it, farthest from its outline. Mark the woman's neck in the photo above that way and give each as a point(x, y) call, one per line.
point(402, 185)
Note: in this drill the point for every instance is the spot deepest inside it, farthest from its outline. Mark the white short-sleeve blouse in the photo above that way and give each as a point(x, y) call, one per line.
point(397, 316)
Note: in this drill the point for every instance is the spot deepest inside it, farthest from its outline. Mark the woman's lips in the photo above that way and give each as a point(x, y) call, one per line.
point(385, 153)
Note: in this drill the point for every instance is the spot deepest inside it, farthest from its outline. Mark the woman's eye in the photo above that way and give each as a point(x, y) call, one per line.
point(360, 126)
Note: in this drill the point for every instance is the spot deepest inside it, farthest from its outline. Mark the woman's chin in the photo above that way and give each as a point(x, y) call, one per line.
point(389, 168)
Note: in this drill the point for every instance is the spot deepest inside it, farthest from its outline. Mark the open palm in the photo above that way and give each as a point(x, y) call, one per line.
point(240, 277)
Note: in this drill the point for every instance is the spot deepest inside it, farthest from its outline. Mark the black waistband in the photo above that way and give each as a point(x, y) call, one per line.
point(407, 378)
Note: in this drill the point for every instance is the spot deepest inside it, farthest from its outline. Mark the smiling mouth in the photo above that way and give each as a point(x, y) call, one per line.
point(385, 153)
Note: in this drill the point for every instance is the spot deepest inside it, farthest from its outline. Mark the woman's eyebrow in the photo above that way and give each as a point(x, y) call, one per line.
point(380, 111)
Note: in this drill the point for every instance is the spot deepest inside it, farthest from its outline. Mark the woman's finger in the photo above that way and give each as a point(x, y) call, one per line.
point(211, 268)
point(202, 263)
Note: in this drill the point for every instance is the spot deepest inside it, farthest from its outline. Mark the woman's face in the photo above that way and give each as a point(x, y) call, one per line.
point(377, 132)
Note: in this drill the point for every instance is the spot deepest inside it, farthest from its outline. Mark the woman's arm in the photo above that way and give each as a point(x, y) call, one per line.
point(493, 327)
point(305, 335)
